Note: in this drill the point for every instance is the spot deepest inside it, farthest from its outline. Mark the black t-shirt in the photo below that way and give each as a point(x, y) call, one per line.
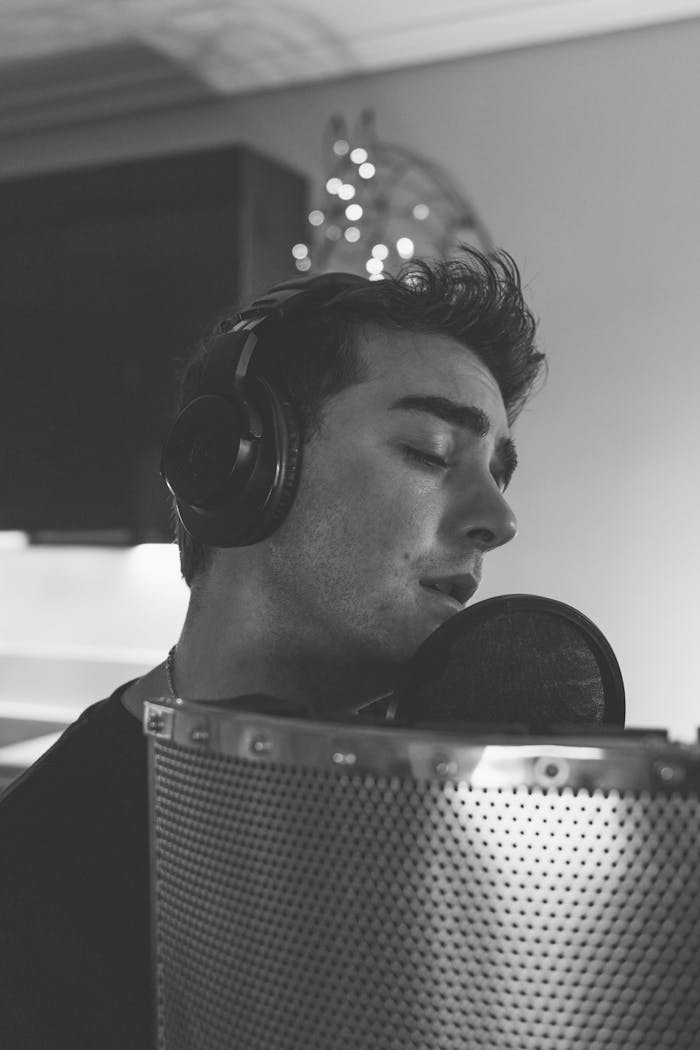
point(75, 969)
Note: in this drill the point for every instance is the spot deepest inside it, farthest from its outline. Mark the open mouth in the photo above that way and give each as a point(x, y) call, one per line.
point(447, 597)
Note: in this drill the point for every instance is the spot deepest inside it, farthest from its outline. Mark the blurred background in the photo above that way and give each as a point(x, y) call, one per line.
point(161, 160)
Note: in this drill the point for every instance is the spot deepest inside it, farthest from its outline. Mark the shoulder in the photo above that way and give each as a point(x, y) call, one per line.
point(149, 686)
point(91, 750)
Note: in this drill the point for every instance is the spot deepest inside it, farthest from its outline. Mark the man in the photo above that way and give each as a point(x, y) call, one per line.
point(405, 390)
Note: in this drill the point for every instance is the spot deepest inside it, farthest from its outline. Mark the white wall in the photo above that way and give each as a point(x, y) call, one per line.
point(77, 622)
point(584, 159)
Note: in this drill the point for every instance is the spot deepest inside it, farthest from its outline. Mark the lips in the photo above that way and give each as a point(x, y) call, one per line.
point(458, 589)
point(445, 600)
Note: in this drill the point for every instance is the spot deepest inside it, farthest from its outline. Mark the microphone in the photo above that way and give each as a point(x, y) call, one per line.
point(518, 660)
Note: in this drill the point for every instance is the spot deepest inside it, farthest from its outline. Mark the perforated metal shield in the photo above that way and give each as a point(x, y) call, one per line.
point(321, 886)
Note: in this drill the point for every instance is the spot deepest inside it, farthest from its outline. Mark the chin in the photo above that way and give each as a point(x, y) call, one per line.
point(401, 643)
point(384, 637)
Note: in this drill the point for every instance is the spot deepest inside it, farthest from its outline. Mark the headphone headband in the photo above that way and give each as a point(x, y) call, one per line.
point(280, 296)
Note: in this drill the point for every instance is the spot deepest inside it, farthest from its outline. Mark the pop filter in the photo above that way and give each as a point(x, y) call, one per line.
point(520, 660)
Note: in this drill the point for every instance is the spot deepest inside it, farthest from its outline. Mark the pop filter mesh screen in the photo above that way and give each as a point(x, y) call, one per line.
point(517, 666)
point(326, 887)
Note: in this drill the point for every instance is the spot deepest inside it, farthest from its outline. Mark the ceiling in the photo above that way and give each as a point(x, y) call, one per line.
point(54, 53)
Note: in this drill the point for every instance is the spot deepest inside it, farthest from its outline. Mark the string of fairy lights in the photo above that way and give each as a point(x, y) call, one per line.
point(382, 204)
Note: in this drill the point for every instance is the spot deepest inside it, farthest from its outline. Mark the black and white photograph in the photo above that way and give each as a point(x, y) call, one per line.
point(349, 575)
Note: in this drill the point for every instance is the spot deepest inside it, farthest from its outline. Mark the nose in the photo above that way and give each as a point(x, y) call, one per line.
point(487, 517)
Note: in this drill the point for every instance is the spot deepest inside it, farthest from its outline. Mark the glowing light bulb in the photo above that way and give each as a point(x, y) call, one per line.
point(366, 170)
point(303, 264)
point(300, 251)
point(341, 147)
point(354, 212)
point(333, 185)
point(380, 251)
point(352, 234)
point(405, 247)
point(358, 155)
point(316, 217)
point(374, 266)
point(421, 211)
point(346, 191)
point(376, 277)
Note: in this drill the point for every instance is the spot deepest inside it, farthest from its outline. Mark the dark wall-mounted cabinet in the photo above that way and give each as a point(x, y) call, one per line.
point(107, 277)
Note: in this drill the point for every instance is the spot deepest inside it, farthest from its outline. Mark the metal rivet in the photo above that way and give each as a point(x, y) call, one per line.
point(444, 767)
point(260, 744)
point(155, 722)
point(344, 758)
point(550, 772)
point(669, 772)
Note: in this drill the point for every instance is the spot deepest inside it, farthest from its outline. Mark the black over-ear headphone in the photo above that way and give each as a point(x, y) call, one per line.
point(233, 456)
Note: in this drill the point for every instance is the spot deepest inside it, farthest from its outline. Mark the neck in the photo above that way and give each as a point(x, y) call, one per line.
point(208, 670)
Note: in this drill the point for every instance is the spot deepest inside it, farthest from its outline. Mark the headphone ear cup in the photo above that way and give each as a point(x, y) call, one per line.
point(255, 507)
point(207, 452)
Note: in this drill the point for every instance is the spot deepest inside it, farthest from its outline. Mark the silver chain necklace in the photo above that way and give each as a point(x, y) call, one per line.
point(170, 671)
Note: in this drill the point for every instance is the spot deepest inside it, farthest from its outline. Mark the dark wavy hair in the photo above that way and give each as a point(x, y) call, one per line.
point(475, 298)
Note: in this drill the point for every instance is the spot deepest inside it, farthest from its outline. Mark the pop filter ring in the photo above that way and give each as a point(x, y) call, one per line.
point(433, 649)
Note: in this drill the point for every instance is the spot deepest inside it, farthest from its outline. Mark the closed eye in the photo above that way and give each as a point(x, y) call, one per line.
point(434, 462)
point(426, 458)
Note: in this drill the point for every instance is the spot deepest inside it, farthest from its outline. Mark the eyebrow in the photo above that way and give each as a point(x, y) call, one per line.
point(466, 417)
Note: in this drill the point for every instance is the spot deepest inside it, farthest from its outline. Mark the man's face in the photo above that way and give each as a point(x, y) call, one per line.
point(371, 519)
